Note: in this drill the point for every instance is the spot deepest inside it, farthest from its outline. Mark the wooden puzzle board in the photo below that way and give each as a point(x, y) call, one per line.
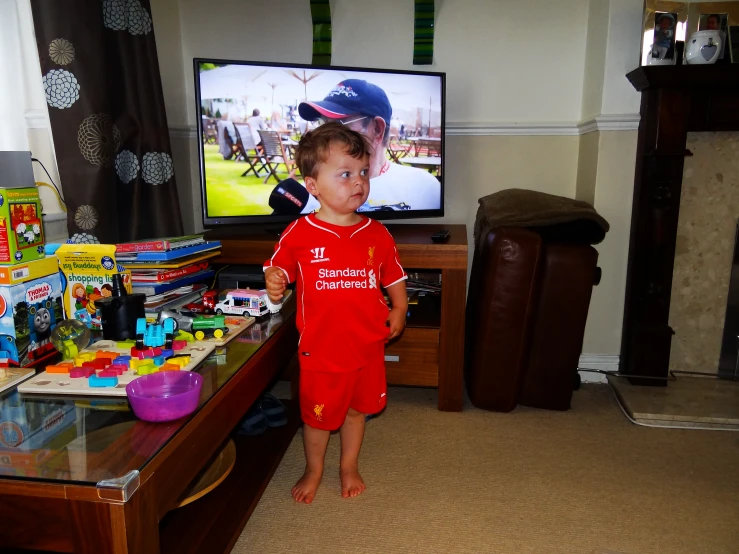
point(235, 324)
point(10, 376)
point(62, 383)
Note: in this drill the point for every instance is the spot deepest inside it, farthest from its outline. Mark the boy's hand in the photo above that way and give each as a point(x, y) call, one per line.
point(276, 283)
point(396, 321)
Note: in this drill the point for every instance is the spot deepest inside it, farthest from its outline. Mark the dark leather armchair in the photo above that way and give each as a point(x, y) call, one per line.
point(526, 311)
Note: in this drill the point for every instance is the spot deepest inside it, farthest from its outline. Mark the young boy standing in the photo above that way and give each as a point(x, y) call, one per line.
point(339, 259)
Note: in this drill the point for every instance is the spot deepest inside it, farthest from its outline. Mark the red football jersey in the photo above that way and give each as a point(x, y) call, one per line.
point(339, 270)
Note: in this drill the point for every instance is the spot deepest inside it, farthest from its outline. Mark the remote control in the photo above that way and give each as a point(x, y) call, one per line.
point(441, 236)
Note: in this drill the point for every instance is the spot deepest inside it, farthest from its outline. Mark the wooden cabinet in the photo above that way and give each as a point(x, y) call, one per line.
point(413, 359)
point(427, 356)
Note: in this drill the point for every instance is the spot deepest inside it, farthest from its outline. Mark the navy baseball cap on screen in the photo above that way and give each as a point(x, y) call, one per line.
point(351, 96)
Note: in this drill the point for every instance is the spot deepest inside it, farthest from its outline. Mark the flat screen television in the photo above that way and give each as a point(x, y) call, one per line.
point(251, 114)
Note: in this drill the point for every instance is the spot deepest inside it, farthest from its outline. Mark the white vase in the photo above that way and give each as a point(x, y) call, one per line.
point(703, 47)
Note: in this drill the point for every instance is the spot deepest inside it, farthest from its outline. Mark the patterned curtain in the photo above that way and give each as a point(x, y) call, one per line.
point(104, 91)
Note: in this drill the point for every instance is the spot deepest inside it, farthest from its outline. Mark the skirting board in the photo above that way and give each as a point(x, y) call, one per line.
point(604, 362)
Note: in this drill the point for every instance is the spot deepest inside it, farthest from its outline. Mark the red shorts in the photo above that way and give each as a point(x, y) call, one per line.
point(325, 397)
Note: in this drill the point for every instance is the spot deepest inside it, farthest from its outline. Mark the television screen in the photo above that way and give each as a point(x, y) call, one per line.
point(251, 116)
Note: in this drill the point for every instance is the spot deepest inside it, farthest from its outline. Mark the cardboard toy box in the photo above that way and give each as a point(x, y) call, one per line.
point(30, 308)
point(87, 274)
point(21, 231)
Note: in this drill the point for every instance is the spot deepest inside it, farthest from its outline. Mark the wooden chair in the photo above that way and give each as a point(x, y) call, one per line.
point(210, 133)
point(275, 153)
point(248, 151)
point(234, 146)
point(397, 149)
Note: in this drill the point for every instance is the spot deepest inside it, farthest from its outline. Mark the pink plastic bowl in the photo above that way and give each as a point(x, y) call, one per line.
point(165, 396)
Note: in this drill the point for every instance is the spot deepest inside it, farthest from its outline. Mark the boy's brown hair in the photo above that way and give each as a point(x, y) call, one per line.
point(314, 147)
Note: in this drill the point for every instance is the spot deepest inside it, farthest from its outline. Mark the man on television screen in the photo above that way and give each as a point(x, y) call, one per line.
point(365, 108)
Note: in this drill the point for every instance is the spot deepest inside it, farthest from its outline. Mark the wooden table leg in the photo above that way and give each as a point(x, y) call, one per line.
point(127, 528)
point(451, 348)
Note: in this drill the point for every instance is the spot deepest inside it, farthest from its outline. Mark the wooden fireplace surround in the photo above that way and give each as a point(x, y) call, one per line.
point(675, 100)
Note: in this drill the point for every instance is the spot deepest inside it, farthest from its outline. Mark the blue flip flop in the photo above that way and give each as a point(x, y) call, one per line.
point(275, 412)
point(254, 423)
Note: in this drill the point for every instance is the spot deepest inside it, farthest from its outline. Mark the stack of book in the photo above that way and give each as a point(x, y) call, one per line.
point(171, 272)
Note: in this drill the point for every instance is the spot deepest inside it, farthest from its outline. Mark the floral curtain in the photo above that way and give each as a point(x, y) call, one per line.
point(104, 92)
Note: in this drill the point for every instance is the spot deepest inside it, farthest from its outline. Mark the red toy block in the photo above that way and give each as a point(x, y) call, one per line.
point(118, 368)
point(156, 352)
point(98, 363)
point(108, 373)
point(179, 344)
point(81, 372)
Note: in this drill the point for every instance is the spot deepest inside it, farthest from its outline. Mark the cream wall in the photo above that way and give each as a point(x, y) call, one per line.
point(513, 106)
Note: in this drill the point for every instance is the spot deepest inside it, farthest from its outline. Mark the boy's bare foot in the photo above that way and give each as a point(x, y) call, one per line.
point(305, 489)
point(351, 483)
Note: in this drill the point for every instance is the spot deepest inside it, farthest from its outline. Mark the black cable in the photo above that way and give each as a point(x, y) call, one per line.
point(49, 176)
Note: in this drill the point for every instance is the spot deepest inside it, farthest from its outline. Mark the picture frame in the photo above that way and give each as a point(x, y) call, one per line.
point(663, 37)
point(717, 22)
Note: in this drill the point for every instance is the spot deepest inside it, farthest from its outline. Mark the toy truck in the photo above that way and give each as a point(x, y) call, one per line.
point(153, 335)
point(206, 305)
point(244, 302)
point(211, 326)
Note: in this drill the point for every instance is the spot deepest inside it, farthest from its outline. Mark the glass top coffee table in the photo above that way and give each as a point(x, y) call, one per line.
point(85, 475)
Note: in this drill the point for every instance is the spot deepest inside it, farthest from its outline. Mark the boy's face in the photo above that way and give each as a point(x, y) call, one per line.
point(342, 182)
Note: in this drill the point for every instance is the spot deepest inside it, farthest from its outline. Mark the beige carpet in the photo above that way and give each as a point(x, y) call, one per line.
point(584, 481)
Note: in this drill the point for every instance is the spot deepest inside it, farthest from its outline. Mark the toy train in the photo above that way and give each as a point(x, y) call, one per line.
point(200, 326)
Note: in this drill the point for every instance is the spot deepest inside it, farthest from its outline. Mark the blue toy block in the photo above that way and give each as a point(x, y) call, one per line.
point(122, 360)
point(166, 353)
point(95, 381)
point(158, 360)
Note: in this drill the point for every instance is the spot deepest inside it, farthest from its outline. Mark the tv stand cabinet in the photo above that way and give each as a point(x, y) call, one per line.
point(422, 356)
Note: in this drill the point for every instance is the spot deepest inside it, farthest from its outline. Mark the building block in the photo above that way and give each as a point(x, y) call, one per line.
point(77, 372)
point(88, 356)
point(136, 363)
point(120, 369)
point(179, 344)
point(106, 354)
point(109, 373)
point(69, 349)
point(181, 361)
point(169, 367)
point(125, 344)
point(158, 360)
point(59, 368)
point(146, 370)
point(167, 352)
point(95, 381)
point(99, 363)
point(122, 360)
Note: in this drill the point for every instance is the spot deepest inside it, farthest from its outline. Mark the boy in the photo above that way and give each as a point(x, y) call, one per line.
point(339, 259)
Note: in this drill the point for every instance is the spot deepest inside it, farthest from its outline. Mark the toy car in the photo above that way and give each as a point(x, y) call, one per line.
point(182, 319)
point(154, 335)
